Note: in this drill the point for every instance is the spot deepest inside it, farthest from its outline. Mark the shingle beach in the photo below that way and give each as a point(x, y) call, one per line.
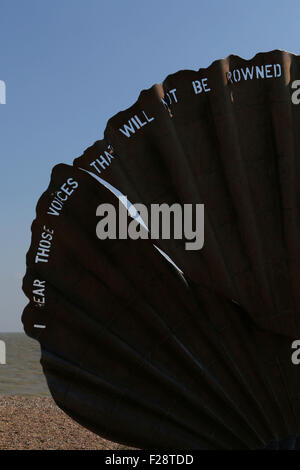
point(36, 423)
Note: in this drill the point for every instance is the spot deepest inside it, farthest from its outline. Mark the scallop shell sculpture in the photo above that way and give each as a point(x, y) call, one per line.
point(145, 342)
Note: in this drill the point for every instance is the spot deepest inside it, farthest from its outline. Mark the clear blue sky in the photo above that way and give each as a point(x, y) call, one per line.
point(69, 65)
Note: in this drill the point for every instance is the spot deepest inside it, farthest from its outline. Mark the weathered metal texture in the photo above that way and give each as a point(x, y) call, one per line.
point(129, 348)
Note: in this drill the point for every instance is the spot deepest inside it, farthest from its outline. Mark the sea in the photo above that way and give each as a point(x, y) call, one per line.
point(22, 373)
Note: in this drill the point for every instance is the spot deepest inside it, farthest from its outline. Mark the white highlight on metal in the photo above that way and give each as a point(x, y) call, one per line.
point(131, 210)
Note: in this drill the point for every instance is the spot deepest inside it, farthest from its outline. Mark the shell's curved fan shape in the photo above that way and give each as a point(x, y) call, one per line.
point(193, 353)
